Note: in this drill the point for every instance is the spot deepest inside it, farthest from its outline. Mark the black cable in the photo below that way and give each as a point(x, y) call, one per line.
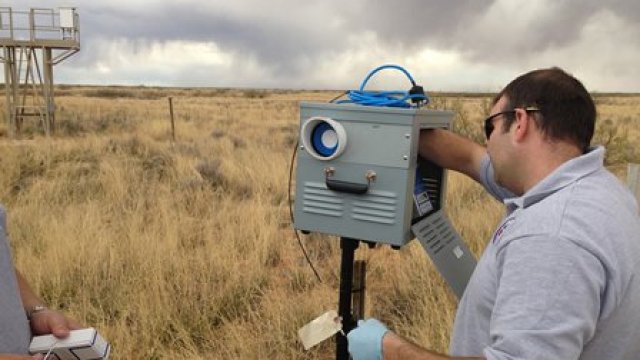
point(304, 251)
point(339, 96)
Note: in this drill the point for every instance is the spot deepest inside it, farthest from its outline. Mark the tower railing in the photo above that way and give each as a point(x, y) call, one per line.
point(33, 42)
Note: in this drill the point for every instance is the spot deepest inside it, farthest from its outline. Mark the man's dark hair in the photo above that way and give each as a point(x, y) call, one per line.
point(567, 111)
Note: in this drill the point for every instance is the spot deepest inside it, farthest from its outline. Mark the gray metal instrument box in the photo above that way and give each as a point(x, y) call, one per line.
point(367, 182)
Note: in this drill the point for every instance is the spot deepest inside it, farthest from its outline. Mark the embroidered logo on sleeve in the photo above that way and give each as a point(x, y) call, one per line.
point(498, 234)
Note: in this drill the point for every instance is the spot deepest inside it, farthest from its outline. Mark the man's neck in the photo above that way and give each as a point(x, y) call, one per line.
point(546, 159)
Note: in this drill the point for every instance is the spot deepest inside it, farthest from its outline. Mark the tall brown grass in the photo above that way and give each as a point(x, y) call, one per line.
point(184, 250)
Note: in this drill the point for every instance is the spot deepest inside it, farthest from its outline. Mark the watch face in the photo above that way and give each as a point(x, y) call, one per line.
point(35, 309)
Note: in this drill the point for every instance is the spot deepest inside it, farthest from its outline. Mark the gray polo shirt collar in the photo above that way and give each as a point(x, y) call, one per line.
point(566, 174)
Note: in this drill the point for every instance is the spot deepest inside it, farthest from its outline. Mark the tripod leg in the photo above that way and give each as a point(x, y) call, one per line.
point(348, 247)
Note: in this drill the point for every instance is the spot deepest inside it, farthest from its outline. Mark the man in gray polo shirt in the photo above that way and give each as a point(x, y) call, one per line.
point(21, 311)
point(560, 277)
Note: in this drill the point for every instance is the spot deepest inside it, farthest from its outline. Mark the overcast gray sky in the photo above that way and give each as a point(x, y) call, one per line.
point(453, 45)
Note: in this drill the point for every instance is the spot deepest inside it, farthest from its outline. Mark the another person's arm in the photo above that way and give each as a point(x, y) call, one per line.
point(21, 357)
point(43, 320)
point(396, 348)
point(371, 340)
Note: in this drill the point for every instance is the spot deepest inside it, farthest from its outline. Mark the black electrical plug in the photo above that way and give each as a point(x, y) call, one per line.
point(417, 90)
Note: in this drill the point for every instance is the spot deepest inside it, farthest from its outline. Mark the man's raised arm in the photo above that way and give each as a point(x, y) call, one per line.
point(452, 151)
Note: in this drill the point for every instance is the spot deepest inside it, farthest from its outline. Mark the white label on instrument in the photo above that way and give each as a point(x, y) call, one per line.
point(458, 252)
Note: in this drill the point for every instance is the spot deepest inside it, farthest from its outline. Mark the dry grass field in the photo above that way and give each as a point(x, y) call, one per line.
point(184, 250)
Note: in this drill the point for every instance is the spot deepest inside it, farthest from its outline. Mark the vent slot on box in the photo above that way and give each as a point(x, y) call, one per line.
point(436, 234)
point(317, 199)
point(377, 207)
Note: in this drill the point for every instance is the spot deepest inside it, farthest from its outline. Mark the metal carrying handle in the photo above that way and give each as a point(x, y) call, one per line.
point(348, 186)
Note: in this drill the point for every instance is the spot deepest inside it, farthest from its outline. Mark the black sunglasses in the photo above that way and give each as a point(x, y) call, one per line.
point(488, 122)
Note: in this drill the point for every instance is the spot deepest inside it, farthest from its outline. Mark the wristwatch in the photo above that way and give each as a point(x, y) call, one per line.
point(34, 310)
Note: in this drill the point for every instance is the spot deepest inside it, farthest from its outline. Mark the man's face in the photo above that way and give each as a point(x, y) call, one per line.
point(499, 144)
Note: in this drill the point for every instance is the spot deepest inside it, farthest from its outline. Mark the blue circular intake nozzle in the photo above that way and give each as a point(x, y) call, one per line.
point(324, 139)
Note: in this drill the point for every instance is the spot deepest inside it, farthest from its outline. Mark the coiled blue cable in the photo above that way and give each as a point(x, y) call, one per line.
point(403, 99)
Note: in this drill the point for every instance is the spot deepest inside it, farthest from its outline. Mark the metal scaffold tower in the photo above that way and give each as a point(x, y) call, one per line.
point(33, 42)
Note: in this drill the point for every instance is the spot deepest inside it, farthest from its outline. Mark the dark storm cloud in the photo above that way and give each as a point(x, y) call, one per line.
point(301, 34)
point(451, 25)
point(297, 32)
point(415, 23)
point(274, 42)
point(289, 39)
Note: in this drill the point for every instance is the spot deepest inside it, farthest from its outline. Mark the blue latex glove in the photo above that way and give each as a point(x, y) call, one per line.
point(365, 341)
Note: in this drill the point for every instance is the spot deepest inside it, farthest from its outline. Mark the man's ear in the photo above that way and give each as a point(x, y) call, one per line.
point(522, 126)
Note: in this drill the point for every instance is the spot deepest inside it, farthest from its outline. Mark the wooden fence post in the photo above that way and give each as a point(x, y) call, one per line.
point(173, 126)
point(633, 179)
